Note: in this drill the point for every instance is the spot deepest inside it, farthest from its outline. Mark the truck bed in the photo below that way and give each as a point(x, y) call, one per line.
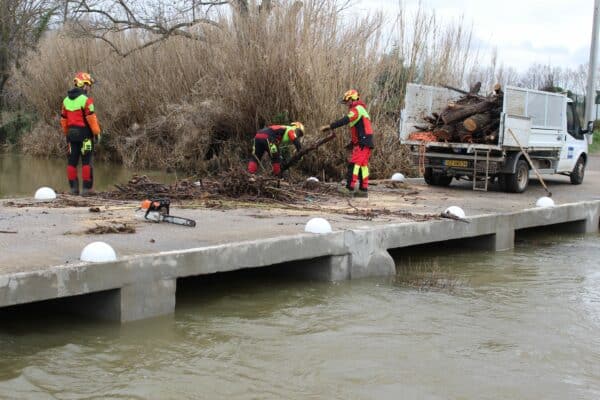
point(536, 118)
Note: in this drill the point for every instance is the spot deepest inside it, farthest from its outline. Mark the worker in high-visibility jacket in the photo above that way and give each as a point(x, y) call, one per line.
point(269, 139)
point(81, 129)
point(361, 136)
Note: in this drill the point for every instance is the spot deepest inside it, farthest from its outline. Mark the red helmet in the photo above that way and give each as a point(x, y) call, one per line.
point(350, 95)
point(83, 78)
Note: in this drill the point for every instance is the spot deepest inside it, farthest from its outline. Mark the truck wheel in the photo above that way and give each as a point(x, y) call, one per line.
point(435, 178)
point(428, 176)
point(517, 182)
point(578, 172)
point(443, 180)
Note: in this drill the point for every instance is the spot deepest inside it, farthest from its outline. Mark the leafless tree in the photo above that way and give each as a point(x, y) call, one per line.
point(22, 23)
point(159, 19)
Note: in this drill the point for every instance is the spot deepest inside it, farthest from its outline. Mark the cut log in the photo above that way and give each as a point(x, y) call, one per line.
point(450, 116)
point(444, 133)
point(464, 136)
point(476, 122)
point(475, 88)
point(454, 106)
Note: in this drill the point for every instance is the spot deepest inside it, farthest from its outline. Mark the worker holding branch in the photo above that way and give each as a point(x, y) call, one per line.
point(361, 133)
point(269, 139)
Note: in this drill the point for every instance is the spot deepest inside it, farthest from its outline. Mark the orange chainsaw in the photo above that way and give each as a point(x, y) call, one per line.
point(157, 210)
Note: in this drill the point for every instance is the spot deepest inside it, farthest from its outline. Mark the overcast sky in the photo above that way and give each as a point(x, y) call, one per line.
point(556, 32)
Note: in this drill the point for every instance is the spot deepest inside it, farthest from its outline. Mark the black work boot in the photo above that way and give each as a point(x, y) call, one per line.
point(86, 190)
point(74, 186)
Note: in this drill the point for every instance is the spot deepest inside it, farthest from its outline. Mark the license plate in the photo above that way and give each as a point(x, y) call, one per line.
point(457, 163)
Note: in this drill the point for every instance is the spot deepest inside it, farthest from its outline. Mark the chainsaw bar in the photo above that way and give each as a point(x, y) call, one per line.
point(178, 220)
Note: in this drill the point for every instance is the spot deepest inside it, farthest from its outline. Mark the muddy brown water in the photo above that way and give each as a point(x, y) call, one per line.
point(22, 175)
point(519, 324)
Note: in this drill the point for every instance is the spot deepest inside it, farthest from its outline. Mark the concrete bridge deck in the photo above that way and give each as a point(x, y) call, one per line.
point(41, 260)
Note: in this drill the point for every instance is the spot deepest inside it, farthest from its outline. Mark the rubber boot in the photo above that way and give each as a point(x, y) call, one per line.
point(74, 186)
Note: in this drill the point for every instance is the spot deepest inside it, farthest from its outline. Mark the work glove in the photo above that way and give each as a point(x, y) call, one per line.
point(97, 139)
point(86, 146)
point(273, 149)
point(325, 128)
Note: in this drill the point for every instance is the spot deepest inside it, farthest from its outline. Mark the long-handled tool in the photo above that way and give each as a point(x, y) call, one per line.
point(157, 210)
point(530, 163)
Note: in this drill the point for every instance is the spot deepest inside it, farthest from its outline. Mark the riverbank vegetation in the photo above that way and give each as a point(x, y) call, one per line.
point(189, 96)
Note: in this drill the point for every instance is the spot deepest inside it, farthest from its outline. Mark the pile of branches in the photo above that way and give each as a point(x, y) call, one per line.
point(232, 184)
point(470, 119)
point(141, 187)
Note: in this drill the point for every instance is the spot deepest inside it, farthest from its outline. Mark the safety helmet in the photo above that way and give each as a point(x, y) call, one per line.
point(83, 78)
point(350, 95)
point(299, 126)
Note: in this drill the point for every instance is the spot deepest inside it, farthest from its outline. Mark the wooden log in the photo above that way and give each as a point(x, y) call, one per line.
point(475, 88)
point(444, 133)
point(450, 116)
point(464, 136)
point(492, 138)
point(422, 128)
point(491, 126)
point(431, 119)
point(476, 122)
point(298, 155)
point(454, 106)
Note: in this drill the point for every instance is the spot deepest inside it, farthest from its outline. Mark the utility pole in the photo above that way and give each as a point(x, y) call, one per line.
point(590, 101)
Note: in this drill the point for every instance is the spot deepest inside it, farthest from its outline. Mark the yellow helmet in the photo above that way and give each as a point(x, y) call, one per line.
point(82, 78)
point(298, 125)
point(350, 95)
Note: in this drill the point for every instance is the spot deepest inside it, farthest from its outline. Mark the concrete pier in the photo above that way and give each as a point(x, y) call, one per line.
point(40, 244)
point(144, 285)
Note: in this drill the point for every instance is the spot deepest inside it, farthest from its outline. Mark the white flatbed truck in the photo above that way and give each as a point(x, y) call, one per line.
point(543, 124)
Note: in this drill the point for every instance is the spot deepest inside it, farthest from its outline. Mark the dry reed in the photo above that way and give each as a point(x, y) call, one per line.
point(195, 105)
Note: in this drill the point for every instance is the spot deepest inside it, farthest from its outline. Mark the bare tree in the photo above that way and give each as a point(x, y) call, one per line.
point(22, 23)
point(159, 19)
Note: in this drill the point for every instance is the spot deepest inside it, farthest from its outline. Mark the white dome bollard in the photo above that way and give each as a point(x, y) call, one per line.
point(45, 193)
point(455, 211)
point(544, 202)
point(312, 179)
point(398, 177)
point(317, 225)
point(98, 252)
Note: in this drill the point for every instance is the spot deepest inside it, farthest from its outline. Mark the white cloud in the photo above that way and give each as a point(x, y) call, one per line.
point(524, 31)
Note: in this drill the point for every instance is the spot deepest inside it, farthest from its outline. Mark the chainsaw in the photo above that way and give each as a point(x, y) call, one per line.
point(157, 210)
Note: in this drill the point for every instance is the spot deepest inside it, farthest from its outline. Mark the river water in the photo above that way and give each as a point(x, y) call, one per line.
point(22, 175)
point(521, 324)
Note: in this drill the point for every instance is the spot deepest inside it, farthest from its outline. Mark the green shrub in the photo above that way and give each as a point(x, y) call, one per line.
point(14, 126)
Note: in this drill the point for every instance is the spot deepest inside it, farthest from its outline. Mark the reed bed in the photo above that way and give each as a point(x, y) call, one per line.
point(195, 105)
